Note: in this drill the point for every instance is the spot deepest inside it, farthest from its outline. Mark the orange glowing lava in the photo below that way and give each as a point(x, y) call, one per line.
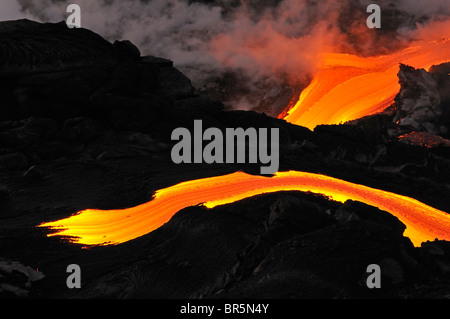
point(348, 87)
point(96, 227)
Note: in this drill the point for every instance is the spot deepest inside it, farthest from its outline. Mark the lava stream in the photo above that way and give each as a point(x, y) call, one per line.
point(348, 87)
point(97, 227)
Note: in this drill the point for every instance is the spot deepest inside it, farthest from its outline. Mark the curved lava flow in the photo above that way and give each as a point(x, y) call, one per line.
point(97, 227)
point(348, 87)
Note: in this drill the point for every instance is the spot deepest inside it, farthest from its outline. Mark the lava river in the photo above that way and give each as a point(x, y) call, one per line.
point(97, 227)
point(348, 87)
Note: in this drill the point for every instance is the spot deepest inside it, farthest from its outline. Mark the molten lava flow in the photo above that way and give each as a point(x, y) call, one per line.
point(348, 87)
point(95, 227)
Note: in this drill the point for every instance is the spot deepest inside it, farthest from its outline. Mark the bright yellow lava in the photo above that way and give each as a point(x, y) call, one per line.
point(97, 227)
point(348, 87)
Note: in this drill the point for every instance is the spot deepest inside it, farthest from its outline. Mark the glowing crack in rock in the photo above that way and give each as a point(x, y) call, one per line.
point(97, 227)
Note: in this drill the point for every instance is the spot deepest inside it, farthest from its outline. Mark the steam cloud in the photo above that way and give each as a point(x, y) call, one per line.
point(247, 47)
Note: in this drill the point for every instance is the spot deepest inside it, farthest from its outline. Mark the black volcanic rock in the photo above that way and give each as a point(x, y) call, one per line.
point(16, 280)
point(29, 47)
point(127, 50)
point(51, 71)
point(419, 101)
